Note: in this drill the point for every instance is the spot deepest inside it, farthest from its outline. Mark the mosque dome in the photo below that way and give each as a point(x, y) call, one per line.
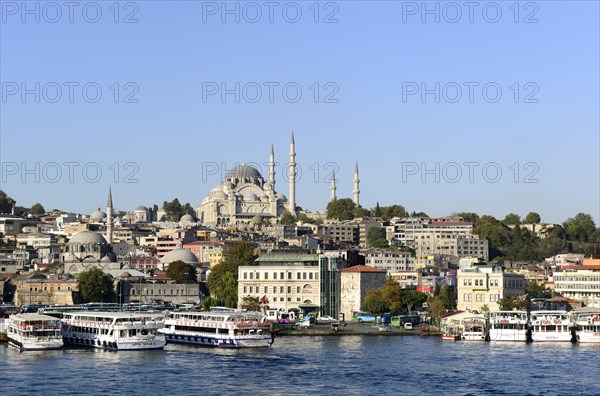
point(186, 219)
point(184, 255)
point(250, 196)
point(87, 237)
point(281, 197)
point(244, 171)
point(98, 215)
point(141, 209)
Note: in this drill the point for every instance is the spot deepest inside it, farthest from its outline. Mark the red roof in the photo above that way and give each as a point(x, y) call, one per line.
point(363, 268)
point(581, 267)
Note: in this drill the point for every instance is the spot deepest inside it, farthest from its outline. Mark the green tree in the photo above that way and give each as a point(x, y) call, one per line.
point(219, 281)
point(413, 299)
point(511, 219)
point(250, 303)
point(341, 209)
point(388, 212)
point(96, 286)
point(467, 216)
point(580, 228)
point(375, 303)
point(498, 234)
point(287, 219)
point(377, 211)
point(437, 309)
point(392, 294)
point(447, 295)
point(376, 238)
point(359, 211)
point(6, 202)
point(510, 303)
point(534, 290)
point(37, 209)
point(175, 210)
point(181, 272)
point(532, 218)
point(305, 219)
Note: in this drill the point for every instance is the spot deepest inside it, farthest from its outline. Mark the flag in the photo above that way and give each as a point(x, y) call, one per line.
point(263, 299)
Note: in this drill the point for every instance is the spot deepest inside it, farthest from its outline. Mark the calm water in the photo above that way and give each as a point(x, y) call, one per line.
point(346, 365)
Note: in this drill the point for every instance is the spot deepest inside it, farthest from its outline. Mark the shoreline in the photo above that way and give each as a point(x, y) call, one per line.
point(350, 329)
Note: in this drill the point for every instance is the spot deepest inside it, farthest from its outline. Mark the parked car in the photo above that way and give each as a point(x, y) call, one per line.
point(408, 326)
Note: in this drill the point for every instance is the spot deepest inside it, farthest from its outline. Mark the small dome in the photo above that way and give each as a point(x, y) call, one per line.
point(87, 237)
point(256, 219)
point(184, 255)
point(98, 215)
point(244, 171)
point(141, 209)
point(281, 197)
point(186, 219)
point(105, 259)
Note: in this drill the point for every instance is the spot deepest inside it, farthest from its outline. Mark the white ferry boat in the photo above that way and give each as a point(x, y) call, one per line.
point(220, 327)
point(550, 326)
point(114, 330)
point(588, 327)
point(508, 326)
point(474, 329)
point(30, 331)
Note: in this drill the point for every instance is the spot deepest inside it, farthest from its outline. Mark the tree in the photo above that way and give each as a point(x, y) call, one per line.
point(510, 303)
point(376, 238)
point(392, 294)
point(287, 219)
point(250, 303)
point(377, 211)
point(413, 298)
point(360, 212)
point(536, 291)
point(375, 303)
point(532, 218)
point(511, 219)
point(96, 286)
point(437, 309)
point(6, 202)
point(181, 272)
point(447, 295)
point(305, 219)
point(580, 228)
point(174, 210)
point(37, 209)
point(223, 278)
point(419, 214)
point(467, 216)
point(341, 209)
point(387, 212)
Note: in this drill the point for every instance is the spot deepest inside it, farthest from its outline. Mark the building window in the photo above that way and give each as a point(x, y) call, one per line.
point(266, 275)
point(297, 289)
point(245, 275)
point(258, 275)
point(266, 289)
point(251, 289)
point(310, 275)
point(251, 275)
point(298, 275)
point(289, 275)
point(274, 275)
point(281, 289)
point(281, 275)
point(304, 275)
point(289, 290)
point(245, 289)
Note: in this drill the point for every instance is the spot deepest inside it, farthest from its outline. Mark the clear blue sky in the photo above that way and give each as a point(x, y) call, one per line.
point(375, 56)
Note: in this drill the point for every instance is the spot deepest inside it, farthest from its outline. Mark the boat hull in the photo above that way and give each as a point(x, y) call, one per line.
point(503, 335)
point(157, 342)
point(551, 337)
point(585, 337)
point(225, 342)
point(33, 345)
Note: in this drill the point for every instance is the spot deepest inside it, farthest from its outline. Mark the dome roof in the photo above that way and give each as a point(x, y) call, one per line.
point(141, 208)
point(186, 219)
point(98, 215)
point(244, 171)
point(179, 255)
point(281, 197)
point(87, 237)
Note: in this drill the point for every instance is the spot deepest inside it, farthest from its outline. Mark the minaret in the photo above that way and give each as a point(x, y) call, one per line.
point(356, 183)
point(292, 201)
point(109, 217)
point(333, 197)
point(272, 168)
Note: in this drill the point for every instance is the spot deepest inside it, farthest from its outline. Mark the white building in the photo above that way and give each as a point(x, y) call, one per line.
point(355, 282)
point(580, 282)
point(389, 260)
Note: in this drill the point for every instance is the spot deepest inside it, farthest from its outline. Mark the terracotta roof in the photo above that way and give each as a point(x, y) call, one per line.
point(580, 267)
point(363, 268)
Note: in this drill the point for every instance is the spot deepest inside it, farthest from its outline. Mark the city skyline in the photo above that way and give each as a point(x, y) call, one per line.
point(379, 86)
